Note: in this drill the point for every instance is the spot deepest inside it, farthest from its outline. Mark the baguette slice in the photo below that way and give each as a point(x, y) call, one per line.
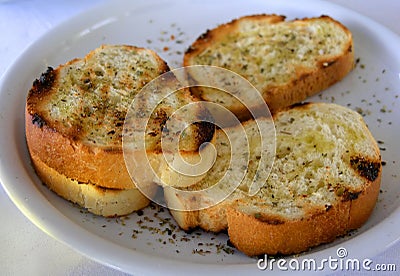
point(97, 200)
point(324, 182)
point(75, 115)
point(286, 61)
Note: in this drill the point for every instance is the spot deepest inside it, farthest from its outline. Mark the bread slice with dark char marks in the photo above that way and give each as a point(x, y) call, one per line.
point(324, 182)
point(75, 117)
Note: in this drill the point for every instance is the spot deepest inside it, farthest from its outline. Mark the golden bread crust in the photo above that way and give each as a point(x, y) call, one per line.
point(75, 115)
point(76, 160)
point(305, 80)
point(97, 200)
point(324, 183)
point(254, 237)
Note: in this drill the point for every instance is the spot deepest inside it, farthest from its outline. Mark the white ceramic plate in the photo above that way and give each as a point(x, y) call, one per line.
point(151, 242)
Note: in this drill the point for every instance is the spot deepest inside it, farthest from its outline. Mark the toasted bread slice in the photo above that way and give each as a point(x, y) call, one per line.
point(97, 200)
point(324, 182)
point(75, 115)
point(286, 61)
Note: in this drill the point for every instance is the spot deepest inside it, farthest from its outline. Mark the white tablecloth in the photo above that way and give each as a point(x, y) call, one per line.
point(26, 250)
